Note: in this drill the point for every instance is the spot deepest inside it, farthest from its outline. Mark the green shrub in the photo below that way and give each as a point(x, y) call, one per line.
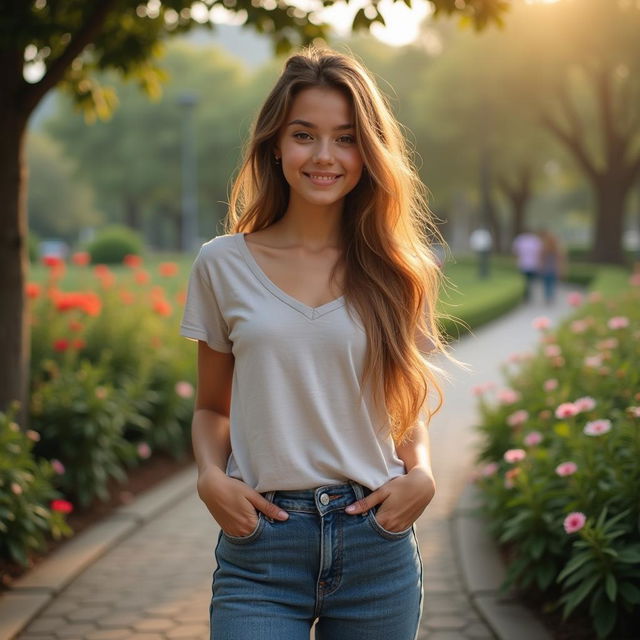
point(113, 243)
point(80, 416)
point(562, 474)
point(28, 504)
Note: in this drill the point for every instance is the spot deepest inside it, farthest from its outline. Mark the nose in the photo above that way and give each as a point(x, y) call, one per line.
point(323, 153)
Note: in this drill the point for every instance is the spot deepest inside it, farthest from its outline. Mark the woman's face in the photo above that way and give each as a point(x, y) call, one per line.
point(320, 158)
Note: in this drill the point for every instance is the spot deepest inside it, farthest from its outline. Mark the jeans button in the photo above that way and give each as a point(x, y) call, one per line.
point(324, 499)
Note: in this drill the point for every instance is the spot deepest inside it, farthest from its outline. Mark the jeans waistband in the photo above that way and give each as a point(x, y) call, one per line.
point(331, 497)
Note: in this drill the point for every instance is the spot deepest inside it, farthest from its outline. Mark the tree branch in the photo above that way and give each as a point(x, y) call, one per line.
point(56, 70)
point(573, 142)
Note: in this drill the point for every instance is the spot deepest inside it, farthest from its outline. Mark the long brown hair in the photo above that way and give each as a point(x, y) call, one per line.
point(392, 277)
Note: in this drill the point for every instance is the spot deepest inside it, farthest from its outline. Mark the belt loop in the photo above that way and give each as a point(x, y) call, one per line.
point(359, 492)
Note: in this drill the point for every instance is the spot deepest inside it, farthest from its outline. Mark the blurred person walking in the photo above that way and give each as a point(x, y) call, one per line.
point(527, 247)
point(552, 264)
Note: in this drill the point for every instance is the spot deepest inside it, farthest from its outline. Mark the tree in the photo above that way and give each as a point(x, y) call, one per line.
point(72, 40)
point(586, 76)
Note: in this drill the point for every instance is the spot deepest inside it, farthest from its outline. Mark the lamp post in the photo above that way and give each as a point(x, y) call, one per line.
point(189, 219)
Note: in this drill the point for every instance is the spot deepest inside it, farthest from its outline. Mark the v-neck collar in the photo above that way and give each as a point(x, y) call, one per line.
point(310, 312)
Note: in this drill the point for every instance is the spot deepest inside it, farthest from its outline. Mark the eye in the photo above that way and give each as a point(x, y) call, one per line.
point(300, 135)
point(347, 139)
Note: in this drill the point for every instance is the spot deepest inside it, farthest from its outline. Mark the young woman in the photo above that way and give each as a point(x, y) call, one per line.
point(313, 316)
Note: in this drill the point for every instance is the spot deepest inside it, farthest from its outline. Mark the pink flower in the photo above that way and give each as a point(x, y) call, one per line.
point(575, 298)
point(566, 468)
point(574, 521)
point(518, 418)
point(634, 411)
point(489, 469)
point(508, 396)
point(184, 389)
point(585, 404)
point(593, 362)
point(480, 389)
point(541, 323)
point(32, 435)
point(618, 322)
point(578, 326)
point(550, 385)
point(58, 467)
point(552, 351)
point(609, 343)
point(509, 477)
point(515, 455)
point(566, 410)
point(597, 427)
point(533, 438)
point(16, 489)
point(144, 450)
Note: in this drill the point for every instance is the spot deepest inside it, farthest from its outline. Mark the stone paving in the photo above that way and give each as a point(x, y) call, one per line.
point(155, 585)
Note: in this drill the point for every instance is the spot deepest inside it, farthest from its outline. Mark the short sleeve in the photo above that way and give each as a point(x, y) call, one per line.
point(202, 318)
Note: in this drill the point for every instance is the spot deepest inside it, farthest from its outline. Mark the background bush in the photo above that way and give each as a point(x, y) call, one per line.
point(113, 243)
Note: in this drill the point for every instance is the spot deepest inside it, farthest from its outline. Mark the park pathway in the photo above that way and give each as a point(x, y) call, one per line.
point(155, 584)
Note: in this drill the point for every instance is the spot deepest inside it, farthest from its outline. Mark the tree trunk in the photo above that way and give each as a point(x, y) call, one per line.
point(14, 323)
point(611, 197)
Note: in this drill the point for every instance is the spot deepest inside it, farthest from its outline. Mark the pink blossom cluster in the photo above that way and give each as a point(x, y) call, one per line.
point(508, 396)
point(618, 322)
point(533, 438)
point(597, 427)
point(574, 522)
point(542, 323)
point(566, 468)
point(570, 409)
point(575, 299)
point(515, 455)
point(481, 389)
point(550, 385)
point(517, 418)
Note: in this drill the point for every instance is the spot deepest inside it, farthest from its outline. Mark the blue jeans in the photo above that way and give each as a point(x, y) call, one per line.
point(359, 580)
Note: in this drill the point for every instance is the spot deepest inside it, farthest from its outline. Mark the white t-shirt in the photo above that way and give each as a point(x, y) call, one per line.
point(296, 421)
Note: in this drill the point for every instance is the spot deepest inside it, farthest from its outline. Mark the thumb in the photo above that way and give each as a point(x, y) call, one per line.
point(269, 509)
point(364, 504)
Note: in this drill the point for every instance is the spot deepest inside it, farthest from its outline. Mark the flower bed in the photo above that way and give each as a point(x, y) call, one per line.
point(111, 384)
point(561, 454)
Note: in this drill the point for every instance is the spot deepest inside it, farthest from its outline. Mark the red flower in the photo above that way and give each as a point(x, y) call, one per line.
point(162, 307)
point(52, 261)
point(88, 302)
point(181, 297)
point(78, 343)
point(61, 345)
point(63, 506)
point(81, 258)
point(168, 269)
point(75, 325)
point(101, 270)
point(142, 277)
point(132, 260)
point(32, 290)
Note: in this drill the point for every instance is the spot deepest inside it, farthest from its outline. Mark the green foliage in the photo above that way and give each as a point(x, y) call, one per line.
point(81, 417)
point(472, 302)
point(26, 492)
point(33, 242)
point(113, 243)
point(587, 365)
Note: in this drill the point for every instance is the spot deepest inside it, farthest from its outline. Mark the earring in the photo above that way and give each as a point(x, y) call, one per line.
point(277, 159)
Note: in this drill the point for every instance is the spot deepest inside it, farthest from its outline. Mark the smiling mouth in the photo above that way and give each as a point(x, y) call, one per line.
point(322, 180)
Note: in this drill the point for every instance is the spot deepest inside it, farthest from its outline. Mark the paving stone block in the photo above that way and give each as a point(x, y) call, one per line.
point(18, 608)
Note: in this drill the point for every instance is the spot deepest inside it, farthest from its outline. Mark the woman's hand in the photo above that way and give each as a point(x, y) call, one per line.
point(233, 503)
point(402, 499)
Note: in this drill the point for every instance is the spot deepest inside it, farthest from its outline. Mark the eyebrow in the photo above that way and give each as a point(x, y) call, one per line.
point(310, 125)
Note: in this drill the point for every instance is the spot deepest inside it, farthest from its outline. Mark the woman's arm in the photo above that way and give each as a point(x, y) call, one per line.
point(404, 498)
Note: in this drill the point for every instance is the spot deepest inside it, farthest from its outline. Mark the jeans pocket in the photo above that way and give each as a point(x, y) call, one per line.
point(385, 533)
point(250, 537)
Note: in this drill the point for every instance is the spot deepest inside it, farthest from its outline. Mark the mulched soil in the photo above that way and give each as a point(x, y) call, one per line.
point(153, 471)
